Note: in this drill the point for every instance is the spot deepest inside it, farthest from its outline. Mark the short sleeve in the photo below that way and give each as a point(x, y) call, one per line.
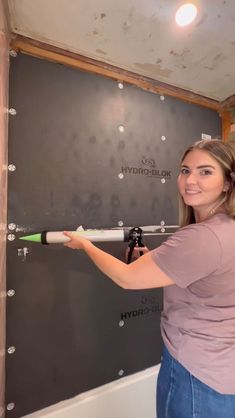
point(190, 254)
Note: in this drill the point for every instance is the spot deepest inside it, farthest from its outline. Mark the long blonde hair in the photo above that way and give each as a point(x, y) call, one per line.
point(224, 154)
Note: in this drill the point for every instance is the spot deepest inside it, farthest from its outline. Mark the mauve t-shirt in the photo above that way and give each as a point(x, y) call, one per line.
point(198, 319)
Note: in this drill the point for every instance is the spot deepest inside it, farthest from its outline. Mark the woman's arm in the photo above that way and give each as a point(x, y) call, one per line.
point(140, 274)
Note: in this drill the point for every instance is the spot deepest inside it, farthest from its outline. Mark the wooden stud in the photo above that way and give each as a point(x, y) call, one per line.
point(226, 124)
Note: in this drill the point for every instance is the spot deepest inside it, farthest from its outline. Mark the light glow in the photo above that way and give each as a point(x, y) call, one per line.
point(186, 14)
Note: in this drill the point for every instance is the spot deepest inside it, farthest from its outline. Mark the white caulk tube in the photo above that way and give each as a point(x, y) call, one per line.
point(94, 235)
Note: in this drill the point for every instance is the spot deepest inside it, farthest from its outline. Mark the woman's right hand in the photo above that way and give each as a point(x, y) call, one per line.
point(76, 241)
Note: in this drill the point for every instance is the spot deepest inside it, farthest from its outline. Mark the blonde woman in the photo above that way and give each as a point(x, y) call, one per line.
point(196, 268)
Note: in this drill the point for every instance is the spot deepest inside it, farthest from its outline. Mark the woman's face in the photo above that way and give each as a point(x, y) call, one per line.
point(201, 181)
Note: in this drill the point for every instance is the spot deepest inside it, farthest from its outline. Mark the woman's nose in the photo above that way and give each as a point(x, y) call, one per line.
point(191, 178)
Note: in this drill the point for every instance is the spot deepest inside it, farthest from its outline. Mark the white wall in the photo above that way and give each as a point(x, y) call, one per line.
point(130, 397)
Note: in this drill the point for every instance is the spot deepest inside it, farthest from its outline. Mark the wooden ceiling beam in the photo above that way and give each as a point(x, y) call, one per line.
point(55, 54)
point(52, 53)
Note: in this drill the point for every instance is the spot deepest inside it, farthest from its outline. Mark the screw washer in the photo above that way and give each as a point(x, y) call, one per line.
point(13, 53)
point(12, 167)
point(12, 226)
point(10, 406)
point(11, 292)
point(11, 237)
point(12, 111)
point(11, 350)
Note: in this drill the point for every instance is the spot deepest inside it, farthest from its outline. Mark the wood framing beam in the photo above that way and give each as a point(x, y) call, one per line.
point(228, 103)
point(55, 54)
point(227, 112)
point(226, 124)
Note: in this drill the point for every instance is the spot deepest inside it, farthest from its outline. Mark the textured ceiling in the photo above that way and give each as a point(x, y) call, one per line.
point(140, 36)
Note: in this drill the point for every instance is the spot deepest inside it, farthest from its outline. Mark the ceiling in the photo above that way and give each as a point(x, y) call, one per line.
point(140, 36)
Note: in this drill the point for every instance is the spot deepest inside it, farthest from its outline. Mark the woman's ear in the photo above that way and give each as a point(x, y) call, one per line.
point(226, 186)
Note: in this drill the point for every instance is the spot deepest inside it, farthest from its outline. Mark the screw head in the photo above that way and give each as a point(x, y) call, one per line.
point(12, 111)
point(162, 98)
point(162, 223)
point(120, 223)
point(13, 53)
point(120, 85)
point(121, 372)
point(10, 406)
point(120, 176)
point(11, 227)
point(11, 237)
point(163, 181)
point(12, 167)
point(11, 292)
point(11, 350)
point(163, 138)
point(121, 323)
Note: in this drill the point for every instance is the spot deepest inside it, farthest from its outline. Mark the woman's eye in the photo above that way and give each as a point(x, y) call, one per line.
point(205, 172)
point(184, 170)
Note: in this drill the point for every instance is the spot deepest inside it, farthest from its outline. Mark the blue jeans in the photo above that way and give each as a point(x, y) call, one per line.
point(181, 395)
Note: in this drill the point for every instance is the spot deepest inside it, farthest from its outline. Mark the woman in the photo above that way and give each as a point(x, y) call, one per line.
point(196, 267)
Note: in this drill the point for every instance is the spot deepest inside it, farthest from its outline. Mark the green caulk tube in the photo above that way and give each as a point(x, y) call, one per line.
point(94, 235)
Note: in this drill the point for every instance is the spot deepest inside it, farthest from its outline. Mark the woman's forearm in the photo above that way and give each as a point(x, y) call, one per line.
point(143, 273)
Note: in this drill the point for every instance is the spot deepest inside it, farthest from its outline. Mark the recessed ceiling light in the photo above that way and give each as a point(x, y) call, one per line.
point(185, 14)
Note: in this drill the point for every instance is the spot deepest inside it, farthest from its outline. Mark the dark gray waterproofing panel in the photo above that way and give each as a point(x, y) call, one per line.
point(65, 143)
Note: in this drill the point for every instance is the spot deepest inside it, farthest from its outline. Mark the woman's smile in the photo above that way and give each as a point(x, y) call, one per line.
point(189, 191)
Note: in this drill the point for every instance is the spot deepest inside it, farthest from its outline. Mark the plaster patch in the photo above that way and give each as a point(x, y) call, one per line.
point(100, 51)
point(179, 54)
